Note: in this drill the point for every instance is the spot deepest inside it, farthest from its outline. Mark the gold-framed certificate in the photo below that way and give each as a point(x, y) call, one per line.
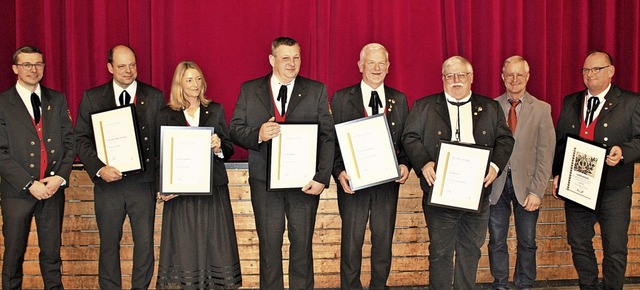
point(583, 166)
point(116, 137)
point(367, 151)
point(460, 171)
point(186, 160)
point(292, 157)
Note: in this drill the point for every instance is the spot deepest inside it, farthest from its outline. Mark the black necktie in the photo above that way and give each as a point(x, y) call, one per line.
point(375, 103)
point(592, 106)
point(458, 104)
point(282, 97)
point(125, 98)
point(35, 104)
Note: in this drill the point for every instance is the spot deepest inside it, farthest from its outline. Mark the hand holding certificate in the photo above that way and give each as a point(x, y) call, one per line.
point(460, 172)
point(582, 171)
point(292, 156)
point(367, 151)
point(185, 160)
point(116, 136)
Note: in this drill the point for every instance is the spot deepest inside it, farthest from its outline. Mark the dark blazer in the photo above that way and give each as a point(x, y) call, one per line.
point(429, 122)
point(19, 144)
point(309, 104)
point(211, 116)
point(618, 124)
point(149, 101)
point(347, 105)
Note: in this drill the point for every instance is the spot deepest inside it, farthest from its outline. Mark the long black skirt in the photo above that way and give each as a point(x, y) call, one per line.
point(198, 249)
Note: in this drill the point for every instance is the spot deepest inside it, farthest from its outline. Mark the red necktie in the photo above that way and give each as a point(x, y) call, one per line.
point(512, 120)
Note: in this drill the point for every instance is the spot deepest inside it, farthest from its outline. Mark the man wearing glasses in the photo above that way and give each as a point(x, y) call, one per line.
point(521, 187)
point(456, 114)
point(36, 154)
point(610, 116)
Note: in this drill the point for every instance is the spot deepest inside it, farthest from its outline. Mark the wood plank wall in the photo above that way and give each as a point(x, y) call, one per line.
point(409, 267)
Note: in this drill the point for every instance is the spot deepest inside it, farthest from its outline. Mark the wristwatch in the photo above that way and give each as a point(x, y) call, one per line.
point(26, 187)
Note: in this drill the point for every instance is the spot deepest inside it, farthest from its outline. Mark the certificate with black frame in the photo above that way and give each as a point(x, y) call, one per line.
point(460, 171)
point(583, 167)
point(116, 135)
point(367, 151)
point(186, 160)
point(292, 158)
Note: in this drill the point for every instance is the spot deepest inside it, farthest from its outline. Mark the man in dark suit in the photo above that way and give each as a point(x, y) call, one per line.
point(259, 109)
point(36, 154)
point(379, 203)
point(478, 120)
point(610, 116)
point(521, 187)
point(115, 194)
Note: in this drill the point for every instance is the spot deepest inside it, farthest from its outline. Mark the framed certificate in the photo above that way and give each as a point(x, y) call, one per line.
point(460, 171)
point(367, 151)
point(116, 135)
point(292, 157)
point(582, 171)
point(186, 160)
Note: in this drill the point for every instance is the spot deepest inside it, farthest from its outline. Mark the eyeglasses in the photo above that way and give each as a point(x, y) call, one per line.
point(29, 66)
point(594, 70)
point(515, 76)
point(461, 76)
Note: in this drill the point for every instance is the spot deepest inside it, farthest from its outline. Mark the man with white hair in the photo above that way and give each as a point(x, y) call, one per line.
point(378, 204)
point(458, 115)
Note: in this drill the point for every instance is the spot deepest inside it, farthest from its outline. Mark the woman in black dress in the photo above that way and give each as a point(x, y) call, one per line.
point(198, 249)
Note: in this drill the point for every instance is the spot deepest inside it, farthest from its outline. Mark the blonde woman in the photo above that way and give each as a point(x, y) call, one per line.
point(198, 249)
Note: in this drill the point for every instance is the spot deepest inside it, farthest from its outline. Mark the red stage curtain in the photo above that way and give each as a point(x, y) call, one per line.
point(230, 40)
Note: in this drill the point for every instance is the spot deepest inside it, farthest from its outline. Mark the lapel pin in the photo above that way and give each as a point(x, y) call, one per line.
point(49, 108)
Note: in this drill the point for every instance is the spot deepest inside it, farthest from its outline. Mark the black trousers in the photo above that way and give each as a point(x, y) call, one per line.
point(613, 213)
point(114, 201)
point(17, 214)
point(270, 210)
point(378, 206)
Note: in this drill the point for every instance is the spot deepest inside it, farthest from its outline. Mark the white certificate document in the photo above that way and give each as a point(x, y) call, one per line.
point(115, 133)
point(185, 160)
point(582, 170)
point(292, 156)
point(367, 151)
point(460, 171)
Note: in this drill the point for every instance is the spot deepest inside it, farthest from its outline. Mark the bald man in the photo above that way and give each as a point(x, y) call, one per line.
point(115, 195)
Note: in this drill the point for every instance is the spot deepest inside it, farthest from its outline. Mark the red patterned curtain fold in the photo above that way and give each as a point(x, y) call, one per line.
point(230, 40)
